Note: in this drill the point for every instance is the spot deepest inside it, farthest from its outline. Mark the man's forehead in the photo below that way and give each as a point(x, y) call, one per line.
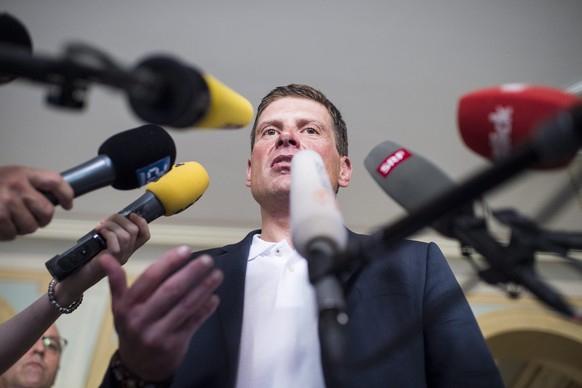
point(52, 331)
point(294, 107)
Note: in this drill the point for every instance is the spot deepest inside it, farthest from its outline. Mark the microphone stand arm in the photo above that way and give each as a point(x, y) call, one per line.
point(71, 75)
point(528, 233)
point(511, 264)
point(555, 140)
point(543, 240)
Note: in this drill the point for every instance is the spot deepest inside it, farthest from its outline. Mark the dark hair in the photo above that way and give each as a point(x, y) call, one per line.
point(305, 91)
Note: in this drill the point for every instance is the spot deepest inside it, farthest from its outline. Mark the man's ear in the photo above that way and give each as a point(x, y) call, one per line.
point(248, 181)
point(345, 172)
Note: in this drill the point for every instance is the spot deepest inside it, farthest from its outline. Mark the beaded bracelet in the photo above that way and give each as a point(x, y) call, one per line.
point(53, 300)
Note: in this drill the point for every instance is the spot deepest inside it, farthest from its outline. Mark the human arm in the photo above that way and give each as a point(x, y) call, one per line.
point(156, 317)
point(19, 333)
point(23, 206)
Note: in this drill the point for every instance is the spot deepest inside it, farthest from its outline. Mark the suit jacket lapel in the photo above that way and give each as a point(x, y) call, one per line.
point(233, 263)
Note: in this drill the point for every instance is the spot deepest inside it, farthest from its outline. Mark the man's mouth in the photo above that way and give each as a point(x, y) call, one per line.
point(35, 365)
point(282, 162)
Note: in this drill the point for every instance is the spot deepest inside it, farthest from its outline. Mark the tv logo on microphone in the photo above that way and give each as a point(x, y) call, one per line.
point(392, 161)
point(500, 138)
point(154, 171)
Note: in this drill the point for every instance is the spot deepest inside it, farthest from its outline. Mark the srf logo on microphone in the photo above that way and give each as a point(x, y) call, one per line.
point(392, 161)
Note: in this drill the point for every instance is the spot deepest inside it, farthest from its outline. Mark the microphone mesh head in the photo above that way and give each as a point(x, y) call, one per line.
point(181, 99)
point(315, 213)
point(494, 121)
point(181, 187)
point(13, 33)
point(139, 155)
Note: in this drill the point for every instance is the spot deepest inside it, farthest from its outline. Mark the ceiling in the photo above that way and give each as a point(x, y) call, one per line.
point(396, 70)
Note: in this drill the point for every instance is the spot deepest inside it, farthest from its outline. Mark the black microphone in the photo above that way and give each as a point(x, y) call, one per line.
point(319, 235)
point(160, 89)
point(166, 91)
point(126, 161)
point(171, 194)
point(408, 178)
point(13, 35)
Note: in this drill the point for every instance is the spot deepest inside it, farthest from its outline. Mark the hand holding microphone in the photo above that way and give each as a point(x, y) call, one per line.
point(23, 206)
point(24, 190)
point(171, 194)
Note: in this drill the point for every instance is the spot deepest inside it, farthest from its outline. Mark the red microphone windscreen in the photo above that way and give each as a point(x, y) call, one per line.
point(494, 121)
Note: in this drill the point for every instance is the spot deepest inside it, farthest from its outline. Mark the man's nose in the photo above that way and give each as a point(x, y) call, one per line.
point(287, 138)
point(39, 347)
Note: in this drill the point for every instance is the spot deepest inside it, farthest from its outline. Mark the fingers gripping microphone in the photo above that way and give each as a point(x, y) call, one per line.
point(181, 187)
point(126, 161)
point(493, 122)
point(319, 235)
point(413, 182)
point(181, 96)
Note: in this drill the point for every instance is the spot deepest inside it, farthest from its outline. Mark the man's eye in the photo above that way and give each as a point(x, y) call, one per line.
point(311, 131)
point(269, 132)
point(53, 346)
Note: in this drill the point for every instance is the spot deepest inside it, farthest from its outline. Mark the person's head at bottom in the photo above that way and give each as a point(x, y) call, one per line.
point(39, 366)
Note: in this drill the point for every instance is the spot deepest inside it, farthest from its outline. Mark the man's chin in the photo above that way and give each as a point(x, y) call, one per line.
point(34, 380)
point(34, 374)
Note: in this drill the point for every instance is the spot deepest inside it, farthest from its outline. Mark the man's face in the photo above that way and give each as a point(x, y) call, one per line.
point(286, 126)
point(38, 367)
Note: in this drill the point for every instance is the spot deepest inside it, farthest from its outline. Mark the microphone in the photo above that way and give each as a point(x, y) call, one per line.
point(152, 154)
point(13, 35)
point(180, 96)
point(181, 187)
point(495, 121)
point(398, 172)
point(408, 180)
point(319, 235)
point(160, 89)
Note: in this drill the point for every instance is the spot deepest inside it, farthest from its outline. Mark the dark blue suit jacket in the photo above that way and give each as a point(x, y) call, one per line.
point(409, 324)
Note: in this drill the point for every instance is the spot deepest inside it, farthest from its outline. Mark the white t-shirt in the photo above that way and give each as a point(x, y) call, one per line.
point(280, 344)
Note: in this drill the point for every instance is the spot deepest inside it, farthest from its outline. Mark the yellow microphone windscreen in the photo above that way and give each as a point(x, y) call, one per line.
point(179, 188)
point(227, 109)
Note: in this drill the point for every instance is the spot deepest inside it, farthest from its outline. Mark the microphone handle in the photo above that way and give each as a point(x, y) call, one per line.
point(86, 248)
point(332, 309)
point(148, 206)
point(332, 320)
point(91, 175)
